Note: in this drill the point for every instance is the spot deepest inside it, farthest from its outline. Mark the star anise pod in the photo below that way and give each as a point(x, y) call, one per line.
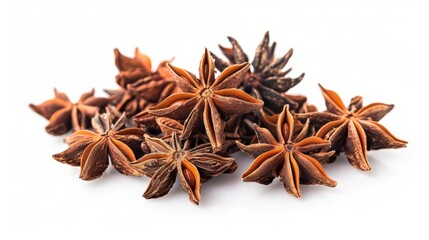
point(355, 129)
point(91, 150)
point(140, 87)
point(289, 156)
point(167, 160)
point(267, 77)
point(64, 115)
point(207, 100)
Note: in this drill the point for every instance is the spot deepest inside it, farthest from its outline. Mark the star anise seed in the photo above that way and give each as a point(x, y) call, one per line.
point(355, 129)
point(167, 160)
point(207, 100)
point(289, 156)
point(91, 150)
point(140, 87)
point(64, 115)
point(267, 77)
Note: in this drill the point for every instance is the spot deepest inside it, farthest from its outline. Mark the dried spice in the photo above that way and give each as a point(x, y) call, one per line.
point(167, 160)
point(170, 124)
point(353, 130)
point(90, 150)
point(207, 100)
point(64, 115)
point(140, 87)
point(289, 157)
point(267, 79)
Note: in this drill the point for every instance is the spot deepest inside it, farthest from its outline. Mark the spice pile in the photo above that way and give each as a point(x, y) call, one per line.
point(169, 123)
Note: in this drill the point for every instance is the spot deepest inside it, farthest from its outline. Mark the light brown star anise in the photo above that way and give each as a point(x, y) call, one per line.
point(267, 78)
point(140, 87)
point(207, 100)
point(294, 157)
point(167, 160)
point(64, 115)
point(91, 150)
point(355, 129)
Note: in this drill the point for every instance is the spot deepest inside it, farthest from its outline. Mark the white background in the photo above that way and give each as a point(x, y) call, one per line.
point(370, 49)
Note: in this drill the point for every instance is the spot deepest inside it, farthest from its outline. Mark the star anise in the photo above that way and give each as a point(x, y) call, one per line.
point(267, 79)
point(140, 87)
point(355, 129)
point(167, 160)
point(64, 115)
point(90, 150)
point(289, 156)
point(207, 100)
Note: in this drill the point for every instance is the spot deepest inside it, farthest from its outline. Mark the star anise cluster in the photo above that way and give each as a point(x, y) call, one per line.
point(170, 124)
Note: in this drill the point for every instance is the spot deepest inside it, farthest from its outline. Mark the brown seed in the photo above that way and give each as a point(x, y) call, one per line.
point(207, 101)
point(355, 129)
point(289, 156)
point(267, 79)
point(168, 160)
point(107, 141)
point(189, 178)
point(140, 86)
point(64, 115)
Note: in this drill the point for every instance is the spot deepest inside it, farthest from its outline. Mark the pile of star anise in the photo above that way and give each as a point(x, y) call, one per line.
point(169, 122)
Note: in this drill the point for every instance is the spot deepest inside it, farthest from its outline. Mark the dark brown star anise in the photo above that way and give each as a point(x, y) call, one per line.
point(64, 115)
point(355, 129)
point(140, 87)
point(294, 157)
point(167, 160)
point(90, 150)
point(207, 100)
point(267, 79)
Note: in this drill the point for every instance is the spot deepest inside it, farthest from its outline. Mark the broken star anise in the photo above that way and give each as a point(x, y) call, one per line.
point(64, 115)
point(167, 160)
point(292, 156)
point(267, 79)
point(207, 100)
point(355, 129)
point(140, 87)
point(90, 150)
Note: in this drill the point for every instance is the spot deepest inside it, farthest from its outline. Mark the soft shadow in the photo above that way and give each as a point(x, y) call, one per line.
point(308, 192)
point(176, 194)
point(111, 176)
point(339, 166)
point(224, 182)
point(312, 192)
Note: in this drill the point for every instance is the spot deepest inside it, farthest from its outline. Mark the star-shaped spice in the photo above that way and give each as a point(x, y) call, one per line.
point(293, 156)
point(207, 100)
point(355, 129)
point(167, 160)
point(91, 150)
point(267, 79)
point(140, 87)
point(64, 115)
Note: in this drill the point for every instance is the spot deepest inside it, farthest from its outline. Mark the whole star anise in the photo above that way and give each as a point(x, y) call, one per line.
point(267, 79)
point(289, 156)
point(167, 160)
point(64, 115)
point(207, 100)
point(140, 87)
point(355, 129)
point(91, 150)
